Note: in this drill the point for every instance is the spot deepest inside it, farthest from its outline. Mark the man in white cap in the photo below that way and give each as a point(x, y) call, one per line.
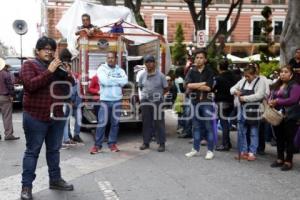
point(6, 98)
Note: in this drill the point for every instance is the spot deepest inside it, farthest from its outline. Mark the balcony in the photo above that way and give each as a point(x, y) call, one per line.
point(279, 2)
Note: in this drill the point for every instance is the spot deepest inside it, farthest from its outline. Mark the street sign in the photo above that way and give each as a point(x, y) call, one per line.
point(201, 39)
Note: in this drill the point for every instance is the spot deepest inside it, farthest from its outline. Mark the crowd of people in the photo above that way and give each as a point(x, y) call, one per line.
point(201, 96)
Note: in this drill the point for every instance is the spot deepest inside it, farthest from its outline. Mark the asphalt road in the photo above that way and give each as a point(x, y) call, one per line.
point(132, 174)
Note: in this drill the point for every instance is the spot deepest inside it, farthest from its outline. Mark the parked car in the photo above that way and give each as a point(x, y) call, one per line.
point(15, 63)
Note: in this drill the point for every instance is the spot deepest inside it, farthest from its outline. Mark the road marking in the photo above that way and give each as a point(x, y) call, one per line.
point(108, 191)
point(73, 168)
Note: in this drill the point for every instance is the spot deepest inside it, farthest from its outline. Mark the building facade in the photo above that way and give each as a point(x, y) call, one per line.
point(162, 16)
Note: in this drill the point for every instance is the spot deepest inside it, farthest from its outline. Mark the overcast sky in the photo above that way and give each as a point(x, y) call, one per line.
point(28, 10)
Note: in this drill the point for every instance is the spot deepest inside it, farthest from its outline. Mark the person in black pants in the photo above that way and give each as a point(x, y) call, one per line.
point(223, 82)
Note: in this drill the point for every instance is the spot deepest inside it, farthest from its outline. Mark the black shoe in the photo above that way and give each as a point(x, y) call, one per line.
point(286, 167)
point(276, 164)
point(144, 147)
point(273, 143)
point(26, 193)
point(261, 152)
point(161, 148)
point(11, 137)
point(61, 185)
point(184, 135)
point(222, 148)
point(0, 137)
point(77, 138)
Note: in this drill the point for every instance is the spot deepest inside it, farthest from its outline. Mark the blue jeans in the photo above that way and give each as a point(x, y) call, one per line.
point(243, 127)
point(77, 113)
point(187, 123)
point(108, 110)
point(199, 124)
point(36, 132)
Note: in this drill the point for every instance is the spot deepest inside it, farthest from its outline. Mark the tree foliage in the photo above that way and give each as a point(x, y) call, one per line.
point(268, 49)
point(235, 4)
point(134, 7)
point(290, 36)
point(136, 10)
point(179, 49)
point(3, 49)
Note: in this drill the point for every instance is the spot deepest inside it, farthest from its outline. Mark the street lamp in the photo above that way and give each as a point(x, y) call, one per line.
point(190, 48)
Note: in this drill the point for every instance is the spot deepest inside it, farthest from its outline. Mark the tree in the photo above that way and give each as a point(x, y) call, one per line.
point(179, 51)
point(268, 49)
point(290, 36)
point(135, 8)
point(195, 16)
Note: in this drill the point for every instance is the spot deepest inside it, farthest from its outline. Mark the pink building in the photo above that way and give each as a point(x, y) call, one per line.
point(163, 15)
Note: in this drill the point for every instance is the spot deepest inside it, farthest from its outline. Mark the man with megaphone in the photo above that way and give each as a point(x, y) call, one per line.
point(42, 116)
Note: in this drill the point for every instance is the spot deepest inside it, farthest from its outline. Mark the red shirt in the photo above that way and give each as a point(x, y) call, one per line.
point(94, 88)
point(37, 99)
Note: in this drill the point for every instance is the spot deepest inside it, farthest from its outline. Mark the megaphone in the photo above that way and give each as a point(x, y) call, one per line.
point(20, 27)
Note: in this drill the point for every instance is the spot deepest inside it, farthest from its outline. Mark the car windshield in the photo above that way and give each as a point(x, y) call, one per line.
point(15, 63)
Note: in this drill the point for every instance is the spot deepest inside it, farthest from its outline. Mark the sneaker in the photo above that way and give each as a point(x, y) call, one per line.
point(179, 130)
point(161, 148)
point(95, 150)
point(251, 157)
point(277, 164)
point(26, 193)
point(144, 146)
point(61, 184)
point(192, 153)
point(114, 148)
point(77, 138)
point(11, 137)
point(241, 156)
point(203, 143)
point(209, 155)
point(69, 143)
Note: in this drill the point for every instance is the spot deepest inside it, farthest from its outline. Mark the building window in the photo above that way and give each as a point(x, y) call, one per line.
point(278, 27)
point(222, 2)
point(256, 31)
point(159, 24)
point(256, 1)
point(222, 25)
point(278, 2)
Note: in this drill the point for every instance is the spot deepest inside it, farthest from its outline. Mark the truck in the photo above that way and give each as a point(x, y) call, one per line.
point(130, 46)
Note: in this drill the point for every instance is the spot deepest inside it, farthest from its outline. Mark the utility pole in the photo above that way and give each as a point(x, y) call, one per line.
point(203, 15)
point(201, 37)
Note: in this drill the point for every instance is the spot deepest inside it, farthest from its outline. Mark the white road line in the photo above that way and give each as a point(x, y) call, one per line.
point(108, 191)
point(73, 168)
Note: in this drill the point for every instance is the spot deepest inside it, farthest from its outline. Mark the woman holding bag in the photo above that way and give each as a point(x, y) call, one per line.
point(285, 95)
point(250, 91)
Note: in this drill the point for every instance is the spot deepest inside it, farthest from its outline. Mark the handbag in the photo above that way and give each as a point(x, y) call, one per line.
point(271, 115)
point(178, 105)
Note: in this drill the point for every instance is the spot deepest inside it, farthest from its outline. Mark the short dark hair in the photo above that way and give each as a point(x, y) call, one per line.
point(250, 69)
point(86, 15)
point(201, 51)
point(44, 41)
point(112, 52)
point(65, 55)
point(297, 49)
point(223, 65)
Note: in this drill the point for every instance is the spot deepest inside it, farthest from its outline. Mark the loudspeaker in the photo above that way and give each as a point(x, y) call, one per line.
point(20, 27)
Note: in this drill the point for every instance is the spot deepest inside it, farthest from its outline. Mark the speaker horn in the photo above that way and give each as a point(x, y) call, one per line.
point(20, 27)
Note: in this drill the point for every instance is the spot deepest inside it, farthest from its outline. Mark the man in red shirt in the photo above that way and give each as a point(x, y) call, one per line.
point(42, 110)
point(6, 98)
